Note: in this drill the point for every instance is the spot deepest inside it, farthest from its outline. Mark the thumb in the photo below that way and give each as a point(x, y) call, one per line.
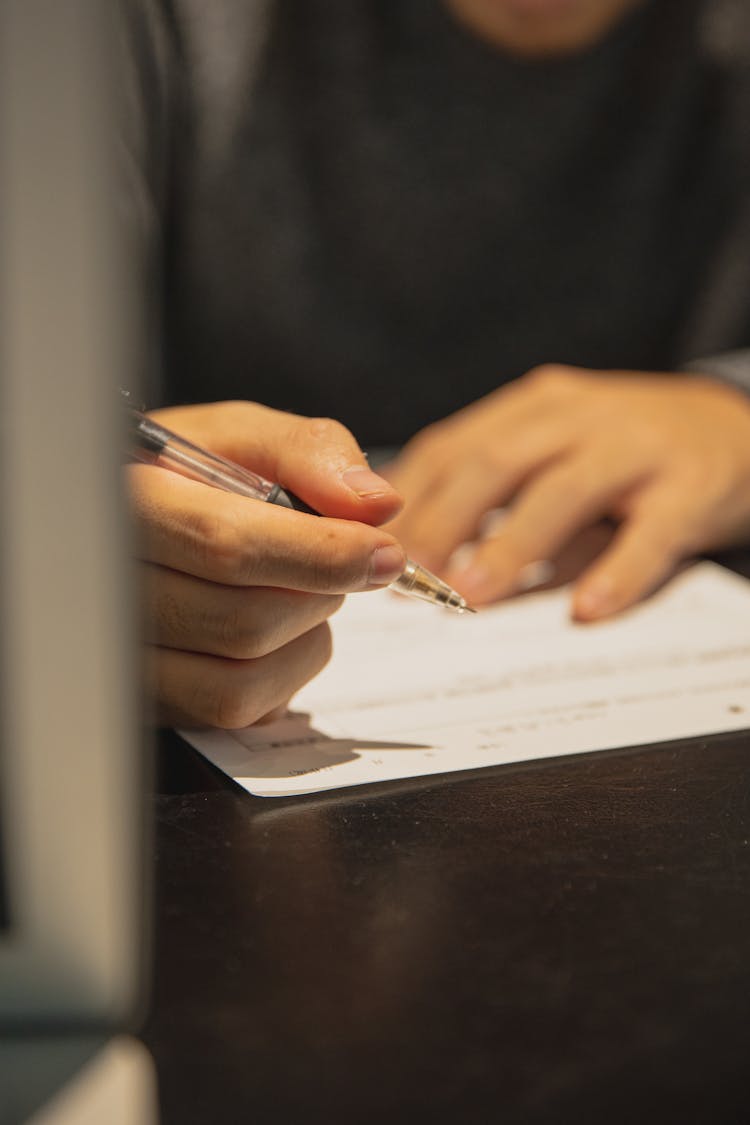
point(317, 459)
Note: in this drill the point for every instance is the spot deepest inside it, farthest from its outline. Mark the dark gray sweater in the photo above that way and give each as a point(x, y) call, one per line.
point(354, 207)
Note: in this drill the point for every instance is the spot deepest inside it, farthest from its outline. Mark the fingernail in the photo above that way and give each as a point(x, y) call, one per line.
point(461, 558)
point(365, 483)
point(386, 564)
point(534, 574)
point(594, 601)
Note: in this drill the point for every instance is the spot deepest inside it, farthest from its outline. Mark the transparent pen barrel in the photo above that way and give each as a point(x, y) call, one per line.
point(159, 445)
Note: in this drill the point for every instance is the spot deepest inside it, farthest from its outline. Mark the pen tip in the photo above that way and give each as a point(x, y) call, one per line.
point(463, 607)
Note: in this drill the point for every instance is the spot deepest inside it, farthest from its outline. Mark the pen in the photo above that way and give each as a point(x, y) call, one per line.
point(155, 445)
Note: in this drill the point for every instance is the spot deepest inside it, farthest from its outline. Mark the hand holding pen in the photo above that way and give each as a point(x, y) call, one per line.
point(238, 595)
point(153, 444)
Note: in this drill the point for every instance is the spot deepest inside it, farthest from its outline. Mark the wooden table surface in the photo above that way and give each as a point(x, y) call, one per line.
point(562, 941)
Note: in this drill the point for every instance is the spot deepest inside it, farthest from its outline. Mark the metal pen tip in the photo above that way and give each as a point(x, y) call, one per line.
point(418, 582)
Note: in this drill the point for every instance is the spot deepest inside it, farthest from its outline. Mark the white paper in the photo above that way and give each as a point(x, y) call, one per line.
point(413, 690)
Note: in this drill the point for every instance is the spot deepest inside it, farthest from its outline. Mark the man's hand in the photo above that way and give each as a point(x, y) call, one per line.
point(237, 591)
point(666, 456)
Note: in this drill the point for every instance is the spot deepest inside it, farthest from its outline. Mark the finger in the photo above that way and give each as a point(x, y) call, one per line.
point(556, 504)
point(242, 623)
point(229, 539)
point(645, 551)
point(453, 512)
point(431, 457)
point(274, 715)
point(520, 422)
point(316, 458)
point(196, 690)
point(420, 469)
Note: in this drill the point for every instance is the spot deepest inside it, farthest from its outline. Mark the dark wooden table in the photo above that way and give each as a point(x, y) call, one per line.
point(566, 941)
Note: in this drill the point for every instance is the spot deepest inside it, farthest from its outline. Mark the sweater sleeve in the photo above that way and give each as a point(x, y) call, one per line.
point(730, 367)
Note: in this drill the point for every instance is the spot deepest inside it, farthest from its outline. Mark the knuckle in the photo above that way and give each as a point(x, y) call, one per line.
point(172, 620)
point(249, 635)
point(551, 377)
point(233, 705)
point(323, 647)
point(542, 374)
point(334, 604)
point(241, 635)
point(236, 696)
point(428, 440)
point(327, 430)
point(225, 550)
point(242, 409)
point(209, 538)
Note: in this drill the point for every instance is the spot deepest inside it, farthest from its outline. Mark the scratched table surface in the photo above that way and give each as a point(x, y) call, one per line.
point(561, 941)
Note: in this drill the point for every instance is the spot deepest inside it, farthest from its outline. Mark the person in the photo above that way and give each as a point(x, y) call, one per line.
point(511, 236)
